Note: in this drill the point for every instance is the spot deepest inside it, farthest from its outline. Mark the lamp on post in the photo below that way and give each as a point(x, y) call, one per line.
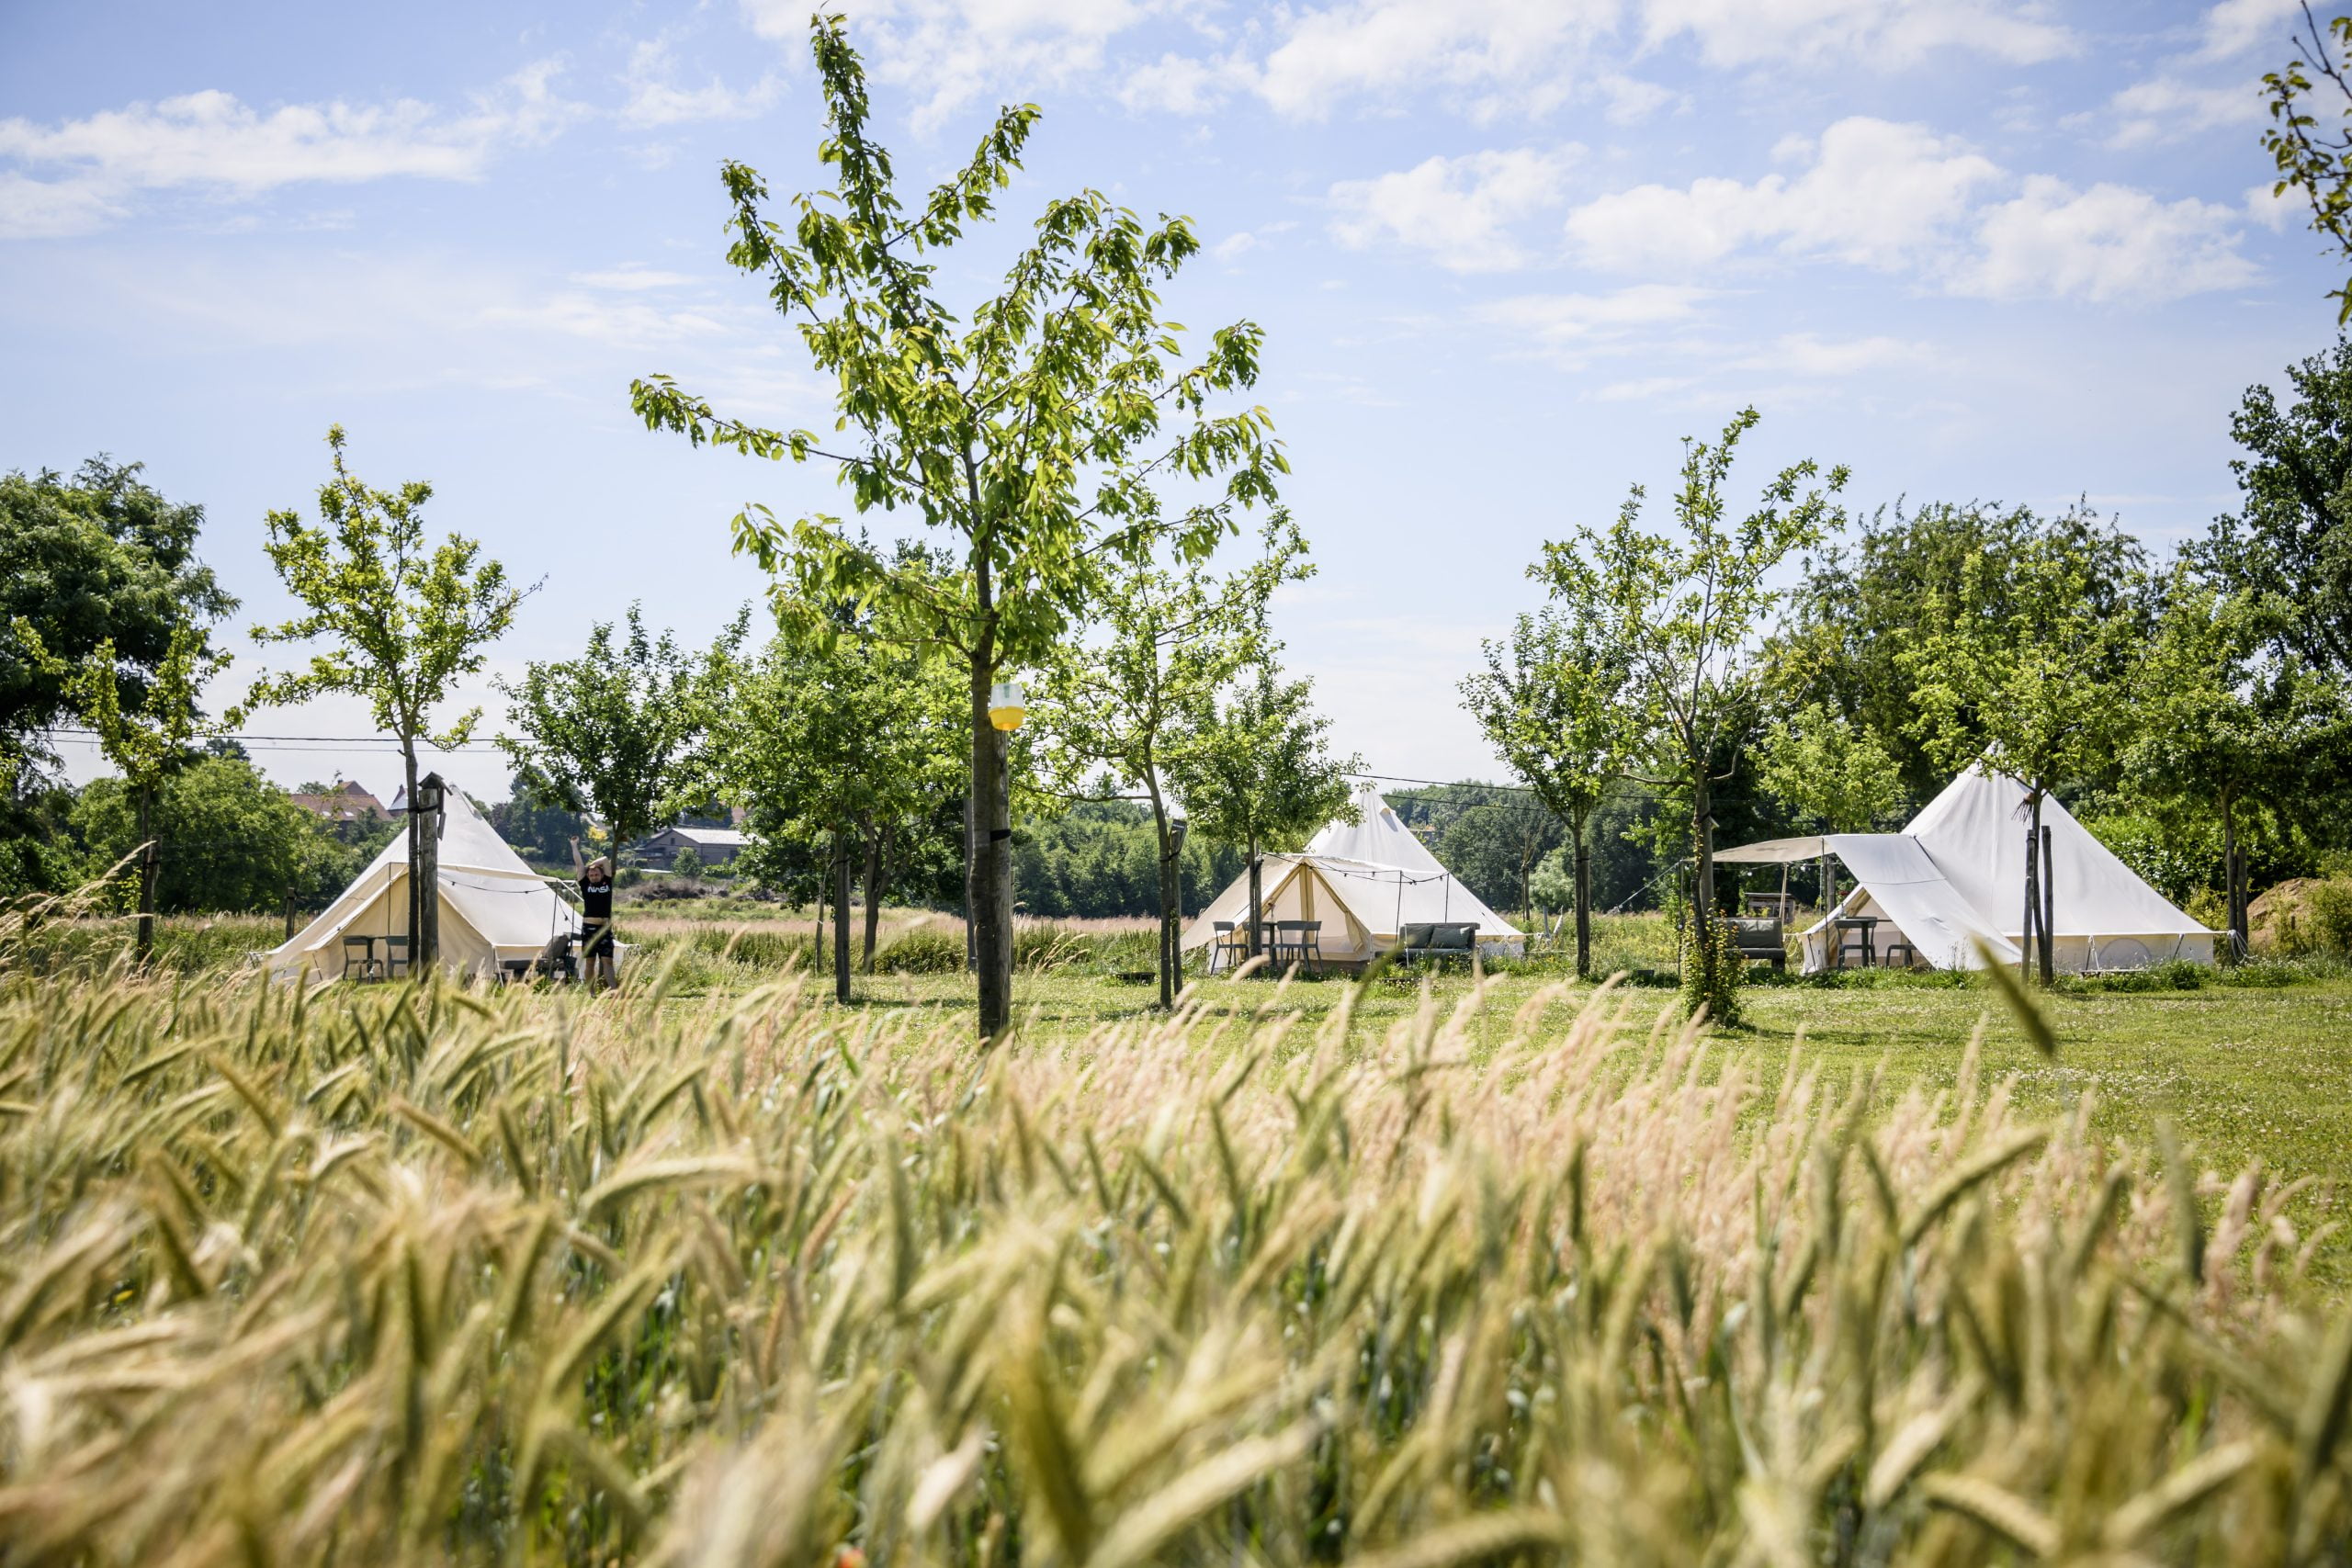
point(1006, 705)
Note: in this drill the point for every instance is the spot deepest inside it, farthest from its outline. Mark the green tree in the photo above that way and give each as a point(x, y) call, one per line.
point(1171, 636)
point(1031, 437)
point(833, 741)
point(614, 732)
point(1254, 768)
point(2286, 548)
point(231, 841)
point(1835, 772)
point(1856, 604)
point(1682, 611)
point(1494, 848)
point(2016, 668)
point(147, 742)
point(1553, 703)
point(2218, 726)
point(402, 623)
point(99, 557)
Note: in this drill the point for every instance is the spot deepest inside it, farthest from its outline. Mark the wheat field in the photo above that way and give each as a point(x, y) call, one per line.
point(402, 1273)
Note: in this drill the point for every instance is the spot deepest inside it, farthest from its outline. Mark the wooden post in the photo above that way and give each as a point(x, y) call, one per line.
point(289, 911)
point(424, 940)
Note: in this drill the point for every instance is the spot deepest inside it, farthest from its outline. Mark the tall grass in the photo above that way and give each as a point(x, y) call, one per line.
point(399, 1274)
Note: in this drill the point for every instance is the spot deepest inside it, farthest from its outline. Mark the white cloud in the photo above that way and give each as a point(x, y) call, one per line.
point(2166, 109)
point(1885, 32)
point(1877, 195)
point(1458, 209)
point(1179, 84)
point(950, 52)
point(2109, 242)
point(1571, 329)
point(1508, 50)
point(631, 277)
point(2267, 206)
point(2235, 26)
point(1806, 354)
point(212, 140)
point(655, 98)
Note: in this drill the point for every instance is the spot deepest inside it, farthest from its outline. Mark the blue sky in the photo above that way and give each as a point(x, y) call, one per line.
point(1507, 253)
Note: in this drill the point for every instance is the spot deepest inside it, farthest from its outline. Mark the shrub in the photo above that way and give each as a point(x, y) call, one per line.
point(1711, 969)
point(922, 953)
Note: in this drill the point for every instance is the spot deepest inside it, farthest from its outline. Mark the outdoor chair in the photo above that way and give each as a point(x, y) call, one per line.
point(1299, 942)
point(1899, 954)
point(1229, 948)
point(359, 957)
point(395, 957)
point(1856, 935)
point(1760, 939)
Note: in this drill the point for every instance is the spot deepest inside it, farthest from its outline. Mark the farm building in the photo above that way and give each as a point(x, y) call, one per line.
point(710, 845)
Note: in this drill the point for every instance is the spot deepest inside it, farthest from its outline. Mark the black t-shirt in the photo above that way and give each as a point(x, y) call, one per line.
point(596, 899)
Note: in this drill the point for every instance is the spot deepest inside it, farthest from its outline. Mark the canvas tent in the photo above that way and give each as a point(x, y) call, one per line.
point(1364, 880)
point(1956, 874)
point(493, 907)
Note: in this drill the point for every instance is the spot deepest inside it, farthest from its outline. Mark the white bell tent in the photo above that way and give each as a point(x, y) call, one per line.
point(1956, 874)
point(1366, 880)
point(493, 907)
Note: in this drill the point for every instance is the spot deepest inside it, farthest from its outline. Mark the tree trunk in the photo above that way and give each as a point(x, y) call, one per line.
point(146, 939)
point(1583, 904)
point(2032, 896)
point(2234, 878)
point(971, 888)
point(878, 851)
point(1256, 897)
point(1168, 912)
point(992, 915)
point(841, 916)
point(1703, 840)
point(2049, 903)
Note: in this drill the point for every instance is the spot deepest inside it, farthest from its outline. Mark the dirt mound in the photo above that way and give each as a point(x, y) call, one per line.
point(2287, 918)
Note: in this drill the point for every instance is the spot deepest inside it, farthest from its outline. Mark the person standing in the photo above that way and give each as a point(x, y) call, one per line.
point(597, 917)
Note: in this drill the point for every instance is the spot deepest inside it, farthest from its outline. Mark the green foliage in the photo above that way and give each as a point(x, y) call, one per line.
point(1712, 970)
point(2287, 551)
point(1169, 638)
point(2017, 660)
point(230, 841)
point(1683, 612)
point(1029, 440)
point(1100, 859)
point(1554, 702)
point(688, 863)
point(400, 624)
point(1856, 606)
point(923, 952)
point(1830, 770)
point(2177, 859)
point(1254, 768)
point(101, 560)
point(2308, 138)
point(1494, 848)
point(616, 732)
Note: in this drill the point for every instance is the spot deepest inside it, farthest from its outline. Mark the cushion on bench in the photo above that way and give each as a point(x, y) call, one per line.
point(1452, 938)
point(1414, 936)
